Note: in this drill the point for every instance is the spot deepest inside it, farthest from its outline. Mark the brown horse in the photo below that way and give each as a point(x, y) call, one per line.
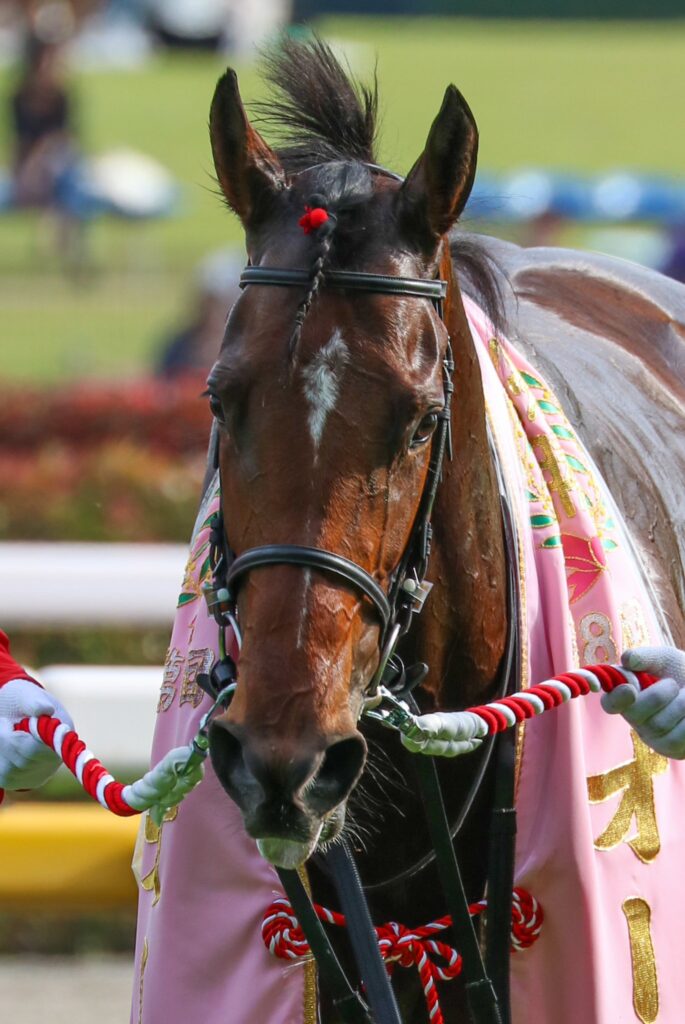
point(327, 402)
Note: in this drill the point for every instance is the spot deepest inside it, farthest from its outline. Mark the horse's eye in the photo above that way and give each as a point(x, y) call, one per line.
point(216, 408)
point(424, 430)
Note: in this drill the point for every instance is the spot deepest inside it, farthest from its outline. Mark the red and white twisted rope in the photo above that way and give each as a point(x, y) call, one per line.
point(449, 733)
point(180, 770)
point(501, 714)
point(408, 947)
point(162, 787)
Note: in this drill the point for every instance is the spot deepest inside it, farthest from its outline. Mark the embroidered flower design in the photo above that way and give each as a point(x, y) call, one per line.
point(585, 563)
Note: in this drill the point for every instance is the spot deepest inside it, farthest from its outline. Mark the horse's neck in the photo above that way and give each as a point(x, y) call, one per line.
point(464, 634)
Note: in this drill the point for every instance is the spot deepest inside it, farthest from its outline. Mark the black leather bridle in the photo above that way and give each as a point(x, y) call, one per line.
point(408, 587)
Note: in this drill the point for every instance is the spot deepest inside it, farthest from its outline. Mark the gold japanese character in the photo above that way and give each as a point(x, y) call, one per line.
point(172, 670)
point(645, 981)
point(198, 661)
point(634, 781)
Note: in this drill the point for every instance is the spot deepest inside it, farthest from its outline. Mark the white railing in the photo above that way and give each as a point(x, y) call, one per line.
point(113, 708)
point(63, 584)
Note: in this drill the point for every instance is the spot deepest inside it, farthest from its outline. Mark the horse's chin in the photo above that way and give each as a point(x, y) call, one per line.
point(291, 854)
point(287, 853)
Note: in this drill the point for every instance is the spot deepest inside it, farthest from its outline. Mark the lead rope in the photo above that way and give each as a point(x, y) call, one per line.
point(437, 734)
point(401, 946)
point(160, 789)
point(450, 733)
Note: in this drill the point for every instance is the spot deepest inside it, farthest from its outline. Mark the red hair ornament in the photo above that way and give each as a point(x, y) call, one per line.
point(313, 218)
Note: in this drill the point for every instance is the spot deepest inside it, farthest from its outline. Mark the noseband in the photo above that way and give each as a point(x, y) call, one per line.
point(408, 587)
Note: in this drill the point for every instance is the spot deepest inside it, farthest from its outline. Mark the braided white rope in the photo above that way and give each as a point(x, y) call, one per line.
point(444, 734)
point(158, 790)
point(452, 733)
point(166, 784)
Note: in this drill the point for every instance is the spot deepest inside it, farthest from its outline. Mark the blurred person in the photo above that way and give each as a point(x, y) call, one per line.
point(195, 345)
point(674, 263)
point(45, 159)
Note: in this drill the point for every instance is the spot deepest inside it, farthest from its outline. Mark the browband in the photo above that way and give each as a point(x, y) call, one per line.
point(379, 283)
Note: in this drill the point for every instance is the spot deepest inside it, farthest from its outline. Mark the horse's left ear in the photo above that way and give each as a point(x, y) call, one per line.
point(249, 172)
point(440, 182)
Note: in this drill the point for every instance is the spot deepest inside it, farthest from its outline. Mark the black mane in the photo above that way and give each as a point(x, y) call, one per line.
point(319, 113)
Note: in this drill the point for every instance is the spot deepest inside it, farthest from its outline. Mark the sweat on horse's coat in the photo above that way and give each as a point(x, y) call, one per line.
point(604, 890)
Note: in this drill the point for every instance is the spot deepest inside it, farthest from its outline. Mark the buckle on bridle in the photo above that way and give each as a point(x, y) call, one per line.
point(391, 712)
point(418, 591)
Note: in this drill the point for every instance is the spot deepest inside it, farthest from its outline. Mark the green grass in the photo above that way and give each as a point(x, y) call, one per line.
point(581, 96)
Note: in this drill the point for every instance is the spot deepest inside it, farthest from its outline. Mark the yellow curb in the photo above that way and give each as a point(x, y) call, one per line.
point(65, 856)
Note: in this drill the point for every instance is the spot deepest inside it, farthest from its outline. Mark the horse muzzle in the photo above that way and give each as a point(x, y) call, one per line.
point(289, 800)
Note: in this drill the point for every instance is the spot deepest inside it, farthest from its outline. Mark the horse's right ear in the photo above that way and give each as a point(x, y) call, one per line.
point(439, 183)
point(249, 172)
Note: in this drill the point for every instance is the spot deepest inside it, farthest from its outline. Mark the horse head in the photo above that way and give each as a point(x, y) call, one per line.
point(327, 402)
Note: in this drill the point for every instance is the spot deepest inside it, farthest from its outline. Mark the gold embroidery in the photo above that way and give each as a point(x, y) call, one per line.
point(495, 351)
point(199, 661)
point(634, 631)
point(143, 965)
point(645, 981)
point(524, 680)
point(172, 670)
point(559, 482)
point(311, 998)
point(598, 646)
point(637, 801)
point(596, 506)
point(153, 834)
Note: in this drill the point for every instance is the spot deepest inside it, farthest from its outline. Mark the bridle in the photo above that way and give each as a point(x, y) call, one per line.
point(408, 587)
point(395, 609)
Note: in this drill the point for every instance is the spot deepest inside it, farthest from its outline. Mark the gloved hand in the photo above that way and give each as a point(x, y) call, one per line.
point(26, 763)
point(657, 714)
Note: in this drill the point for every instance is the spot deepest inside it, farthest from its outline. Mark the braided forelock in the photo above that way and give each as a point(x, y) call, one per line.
point(324, 238)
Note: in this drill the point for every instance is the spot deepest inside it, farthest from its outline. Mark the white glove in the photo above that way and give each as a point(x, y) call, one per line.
point(445, 734)
point(26, 763)
point(657, 714)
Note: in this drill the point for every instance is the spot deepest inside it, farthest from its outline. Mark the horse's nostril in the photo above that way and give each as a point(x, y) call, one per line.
point(226, 752)
point(341, 767)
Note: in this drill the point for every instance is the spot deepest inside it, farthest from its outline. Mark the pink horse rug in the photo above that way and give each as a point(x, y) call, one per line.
point(598, 813)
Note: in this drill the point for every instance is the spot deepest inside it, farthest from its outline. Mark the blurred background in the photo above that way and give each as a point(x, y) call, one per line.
point(118, 264)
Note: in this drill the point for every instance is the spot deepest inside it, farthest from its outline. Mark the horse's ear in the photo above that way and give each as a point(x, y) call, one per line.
point(249, 172)
point(439, 183)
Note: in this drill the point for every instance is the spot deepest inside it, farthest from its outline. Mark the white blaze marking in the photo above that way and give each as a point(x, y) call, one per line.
point(322, 384)
point(321, 377)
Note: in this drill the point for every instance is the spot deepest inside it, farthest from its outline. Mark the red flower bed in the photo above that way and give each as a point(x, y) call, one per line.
point(171, 416)
point(102, 462)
